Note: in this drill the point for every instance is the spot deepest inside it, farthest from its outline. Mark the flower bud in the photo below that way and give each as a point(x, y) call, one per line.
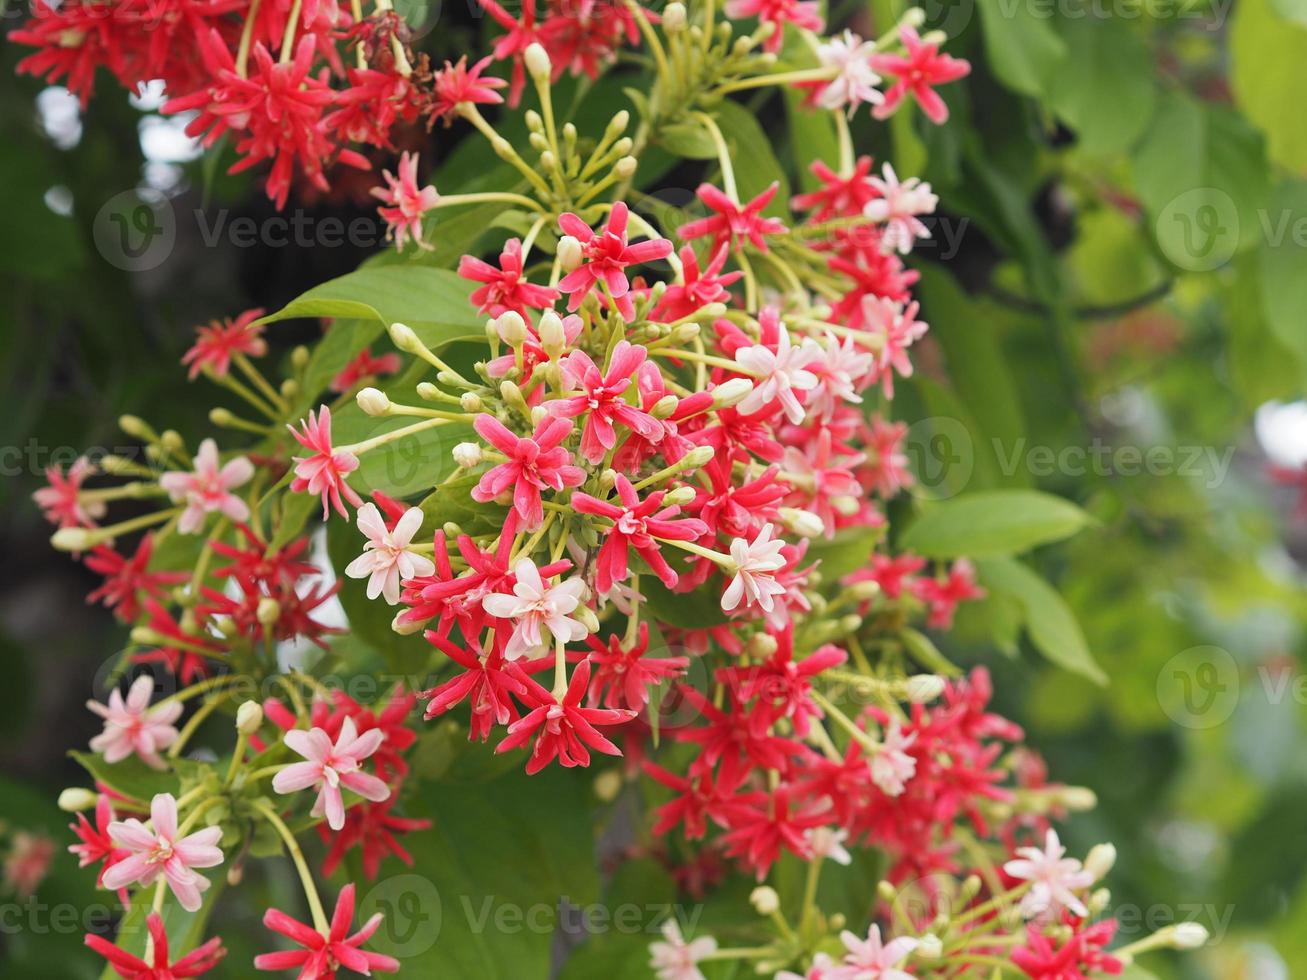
point(607, 480)
point(802, 522)
point(537, 62)
point(72, 539)
point(235, 875)
point(1189, 935)
point(618, 124)
point(299, 358)
point(761, 645)
point(920, 688)
point(731, 392)
point(553, 338)
point(136, 428)
point(467, 454)
point(570, 253)
point(679, 497)
point(249, 716)
point(587, 618)
point(1078, 798)
point(538, 414)
point(427, 391)
point(624, 169)
point(913, 17)
point(533, 121)
point(511, 328)
point(77, 798)
point(406, 629)
point(221, 417)
point(289, 388)
point(1099, 860)
point(674, 17)
point(403, 337)
point(664, 407)
point(1099, 900)
point(373, 401)
point(172, 441)
point(685, 332)
point(512, 396)
point(698, 456)
point(470, 401)
point(846, 505)
point(607, 785)
point(764, 898)
point(929, 947)
point(268, 611)
point(863, 591)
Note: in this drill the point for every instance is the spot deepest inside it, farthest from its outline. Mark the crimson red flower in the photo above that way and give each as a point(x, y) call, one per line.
point(943, 596)
point(803, 14)
point(371, 828)
point(521, 35)
point(126, 578)
point(371, 105)
point(781, 685)
point(839, 196)
point(762, 823)
point(601, 401)
point(700, 796)
point(200, 960)
point(562, 728)
point(892, 574)
point(457, 83)
point(183, 653)
point(323, 955)
point(74, 40)
point(623, 675)
point(61, 501)
point(535, 462)
point(96, 845)
point(605, 256)
point(323, 473)
point(698, 288)
point(365, 365)
point(636, 524)
point(1079, 957)
point(734, 223)
point(216, 343)
point(505, 288)
point(733, 737)
point(485, 682)
point(916, 72)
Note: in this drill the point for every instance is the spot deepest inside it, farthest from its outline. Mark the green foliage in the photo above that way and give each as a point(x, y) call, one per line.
point(992, 523)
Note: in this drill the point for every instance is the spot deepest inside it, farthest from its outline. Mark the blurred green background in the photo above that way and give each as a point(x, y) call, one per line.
point(1118, 301)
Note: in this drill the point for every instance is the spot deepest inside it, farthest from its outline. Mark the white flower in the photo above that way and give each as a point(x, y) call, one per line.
point(1054, 878)
point(898, 207)
point(754, 562)
point(386, 559)
point(828, 843)
point(872, 961)
point(533, 606)
point(856, 82)
point(778, 374)
point(892, 767)
point(673, 958)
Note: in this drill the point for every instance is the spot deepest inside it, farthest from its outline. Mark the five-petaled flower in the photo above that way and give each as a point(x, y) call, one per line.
point(331, 766)
point(536, 462)
point(733, 223)
point(387, 558)
point(1054, 879)
point(221, 340)
point(323, 473)
point(916, 72)
point(600, 399)
point(604, 257)
point(754, 564)
point(208, 488)
point(159, 850)
point(132, 727)
point(200, 960)
point(325, 953)
point(672, 958)
point(533, 606)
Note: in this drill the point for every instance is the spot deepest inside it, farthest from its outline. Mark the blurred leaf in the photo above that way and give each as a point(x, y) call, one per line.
point(699, 609)
point(1104, 87)
point(847, 552)
point(131, 777)
point(1267, 54)
point(756, 166)
point(923, 650)
point(1023, 49)
point(1283, 282)
point(991, 523)
point(341, 344)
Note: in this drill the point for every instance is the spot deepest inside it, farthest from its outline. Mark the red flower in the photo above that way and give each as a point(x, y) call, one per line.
point(734, 223)
point(365, 365)
point(893, 575)
point(782, 685)
point(916, 72)
point(323, 955)
point(505, 288)
point(324, 472)
point(1081, 956)
point(534, 463)
point(484, 682)
point(125, 578)
point(804, 14)
point(605, 257)
point(636, 524)
point(200, 960)
point(838, 197)
point(623, 675)
point(372, 828)
point(734, 737)
point(61, 501)
point(944, 595)
point(521, 35)
point(181, 652)
point(700, 287)
point(96, 844)
point(371, 105)
point(458, 83)
point(601, 400)
point(699, 796)
point(562, 729)
point(216, 343)
point(761, 823)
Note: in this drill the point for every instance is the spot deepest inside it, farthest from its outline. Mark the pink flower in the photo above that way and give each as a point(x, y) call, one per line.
point(604, 258)
point(323, 955)
point(892, 767)
point(804, 14)
point(324, 472)
point(365, 365)
point(404, 203)
point(698, 287)
point(505, 288)
point(532, 606)
point(672, 958)
point(778, 374)
point(159, 851)
point(839, 196)
point(734, 223)
point(943, 597)
point(867, 959)
point(755, 563)
point(534, 463)
point(1054, 878)
point(601, 400)
point(329, 767)
point(636, 524)
point(897, 328)
point(132, 727)
point(917, 71)
point(856, 82)
point(887, 470)
point(208, 488)
point(458, 83)
point(386, 558)
point(897, 208)
point(201, 959)
point(61, 500)
point(563, 729)
point(217, 343)
point(841, 368)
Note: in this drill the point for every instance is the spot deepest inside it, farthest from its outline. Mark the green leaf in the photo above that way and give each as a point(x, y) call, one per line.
point(1104, 89)
point(687, 610)
point(131, 777)
point(687, 139)
point(847, 552)
point(1023, 49)
point(341, 344)
point(1283, 284)
point(923, 651)
point(1051, 624)
point(434, 302)
point(993, 523)
point(1267, 54)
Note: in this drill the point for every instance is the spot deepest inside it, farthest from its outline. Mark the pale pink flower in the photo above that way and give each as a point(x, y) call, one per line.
point(156, 851)
point(868, 959)
point(755, 563)
point(329, 767)
point(208, 488)
point(672, 958)
point(132, 727)
point(1055, 879)
point(778, 374)
point(404, 203)
point(532, 606)
point(856, 82)
point(323, 472)
point(386, 560)
point(828, 843)
point(841, 368)
point(62, 500)
point(892, 767)
point(898, 328)
point(823, 968)
point(897, 208)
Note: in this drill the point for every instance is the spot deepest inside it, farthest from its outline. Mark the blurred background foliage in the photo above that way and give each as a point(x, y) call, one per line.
point(1117, 294)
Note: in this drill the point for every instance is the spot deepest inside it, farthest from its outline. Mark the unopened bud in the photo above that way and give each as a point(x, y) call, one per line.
point(403, 337)
point(289, 388)
point(1099, 900)
point(467, 454)
point(512, 396)
point(299, 358)
point(553, 337)
point(929, 947)
point(802, 522)
point(698, 456)
point(470, 401)
point(1099, 860)
point(77, 798)
point(624, 169)
point(135, 427)
point(731, 392)
point(570, 253)
point(235, 875)
point(679, 497)
point(538, 414)
point(920, 688)
point(761, 645)
point(1189, 935)
point(373, 401)
point(913, 17)
point(674, 18)
point(249, 716)
point(71, 539)
point(221, 417)
point(268, 611)
point(664, 407)
point(537, 62)
point(618, 124)
point(685, 332)
point(607, 785)
point(511, 328)
point(1078, 798)
point(427, 391)
point(172, 441)
point(587, 618)
point(406, 629)
point(763, 898)
point(533, 121)
point(863, 591)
